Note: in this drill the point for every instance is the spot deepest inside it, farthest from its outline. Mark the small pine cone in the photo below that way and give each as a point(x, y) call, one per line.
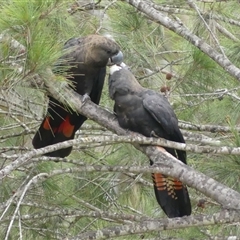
point(165, 89)
point(168, 76)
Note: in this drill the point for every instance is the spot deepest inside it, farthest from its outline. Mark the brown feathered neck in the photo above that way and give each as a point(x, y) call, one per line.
point(98, 48)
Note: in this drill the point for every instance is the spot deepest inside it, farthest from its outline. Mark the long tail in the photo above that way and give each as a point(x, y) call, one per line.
point(171, 194)
point(53, 131)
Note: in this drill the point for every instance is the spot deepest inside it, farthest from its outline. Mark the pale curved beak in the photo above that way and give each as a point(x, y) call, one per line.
point(116, 59)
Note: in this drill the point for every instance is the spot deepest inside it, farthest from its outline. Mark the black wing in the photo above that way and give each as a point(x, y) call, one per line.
point(161, 110)
point(171, 194)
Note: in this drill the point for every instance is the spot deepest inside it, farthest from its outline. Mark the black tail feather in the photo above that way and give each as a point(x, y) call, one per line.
point(171, 195)
point(50, 133)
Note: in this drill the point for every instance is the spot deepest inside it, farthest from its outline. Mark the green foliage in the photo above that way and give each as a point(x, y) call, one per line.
point(42, 27)
point(139, 38)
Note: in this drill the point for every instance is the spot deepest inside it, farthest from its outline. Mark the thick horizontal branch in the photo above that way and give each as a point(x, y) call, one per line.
point(168, 165)
point(194, 137)
point(76, 213)
point(133, 138)
point(160, 225)
point(133, 224)
point(206, 128)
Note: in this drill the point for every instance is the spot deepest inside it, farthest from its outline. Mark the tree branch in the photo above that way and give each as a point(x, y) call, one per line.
point(167, 163)
point(182, 31)
point(160, 225)
point(206, 128)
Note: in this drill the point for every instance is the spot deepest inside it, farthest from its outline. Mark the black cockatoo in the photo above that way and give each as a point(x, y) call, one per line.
point(147, 112)
point(86, 59)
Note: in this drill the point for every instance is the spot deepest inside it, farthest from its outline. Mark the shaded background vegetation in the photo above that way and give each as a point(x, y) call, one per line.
point(200, 91)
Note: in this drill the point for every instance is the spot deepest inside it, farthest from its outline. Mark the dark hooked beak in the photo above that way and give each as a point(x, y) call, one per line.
point(116, 59)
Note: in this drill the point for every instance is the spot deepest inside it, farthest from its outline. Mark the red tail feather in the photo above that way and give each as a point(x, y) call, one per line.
point(46, 124)
point(54, 131)
point(172, 195)
point(66, 128)
point(168, 184)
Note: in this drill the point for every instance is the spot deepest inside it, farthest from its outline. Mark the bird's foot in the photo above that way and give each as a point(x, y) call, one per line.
point(153, 134)
point(85, 98)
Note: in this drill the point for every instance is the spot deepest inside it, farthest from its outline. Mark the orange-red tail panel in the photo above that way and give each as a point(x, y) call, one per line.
point(172, 195)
